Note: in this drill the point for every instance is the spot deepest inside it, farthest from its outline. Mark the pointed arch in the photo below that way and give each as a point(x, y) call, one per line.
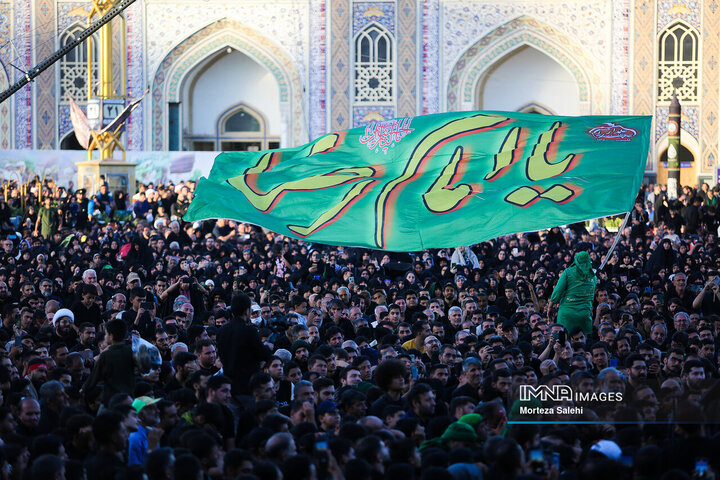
point(536, 107)
point(222, 34)
point(74, 65)
point(679, 57)
point(687, 140)
point(374, 65)
point(519, 32)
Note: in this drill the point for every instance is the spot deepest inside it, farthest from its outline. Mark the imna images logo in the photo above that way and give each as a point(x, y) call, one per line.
point(561, 393)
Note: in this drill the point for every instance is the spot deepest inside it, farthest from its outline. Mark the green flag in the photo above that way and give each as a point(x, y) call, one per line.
point(434, 181)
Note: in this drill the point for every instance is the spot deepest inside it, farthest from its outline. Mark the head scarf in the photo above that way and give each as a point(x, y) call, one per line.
point(583, 266)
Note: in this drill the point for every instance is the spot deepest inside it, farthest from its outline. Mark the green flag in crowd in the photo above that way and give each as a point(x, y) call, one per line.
point(434, 181)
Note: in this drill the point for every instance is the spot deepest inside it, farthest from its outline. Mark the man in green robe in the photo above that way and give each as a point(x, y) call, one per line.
point(574, 294)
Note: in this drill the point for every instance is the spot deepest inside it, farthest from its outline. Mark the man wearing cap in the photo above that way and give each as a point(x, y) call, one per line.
point(459, 435)
point(256, 316)
point(82, 218)
point(147, 437)
point(328, 416)
point(133, 280)
point(86, 310)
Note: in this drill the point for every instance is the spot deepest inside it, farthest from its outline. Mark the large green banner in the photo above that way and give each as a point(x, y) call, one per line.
point(434, 181)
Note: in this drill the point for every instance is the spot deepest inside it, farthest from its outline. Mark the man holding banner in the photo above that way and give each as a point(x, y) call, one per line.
point(574, 294)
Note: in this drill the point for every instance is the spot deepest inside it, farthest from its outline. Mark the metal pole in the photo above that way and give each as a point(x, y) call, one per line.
point(673, 151)
point(49, 61)
point(615, 242)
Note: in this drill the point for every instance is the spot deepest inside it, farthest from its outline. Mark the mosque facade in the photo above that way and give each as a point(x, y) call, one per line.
point(246, 75)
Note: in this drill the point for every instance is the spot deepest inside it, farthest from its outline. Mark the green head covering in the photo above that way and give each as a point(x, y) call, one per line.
point(583, 265)
point(472, 419)
point(436, 442)
point(461, 432)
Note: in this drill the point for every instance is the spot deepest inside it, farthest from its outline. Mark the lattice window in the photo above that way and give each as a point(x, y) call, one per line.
point(374, 68)
point(74, 67)
point(678, 65)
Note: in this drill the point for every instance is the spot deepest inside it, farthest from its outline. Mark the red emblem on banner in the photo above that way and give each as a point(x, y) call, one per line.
point(612, 131)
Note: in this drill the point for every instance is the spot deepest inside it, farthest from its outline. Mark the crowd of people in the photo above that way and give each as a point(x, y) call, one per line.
point(283, 359)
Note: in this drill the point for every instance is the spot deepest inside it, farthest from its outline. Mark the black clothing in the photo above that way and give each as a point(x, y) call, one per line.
point(240, 351)
point(105, 466)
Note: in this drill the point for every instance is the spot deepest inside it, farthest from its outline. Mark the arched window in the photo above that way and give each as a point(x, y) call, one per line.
point(242, 121)
point(239, 128)
point(678, 65)
point(374, 72)
point(74, 66)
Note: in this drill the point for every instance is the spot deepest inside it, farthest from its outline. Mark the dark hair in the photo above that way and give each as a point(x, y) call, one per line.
point(187, 467)
point(105, 425)
point(297, 467)
point(239, 305)
point(217, 381)
point(84, 326)
point(46, 445)
point(690, 364)
point(157, 462)
point(387, 371)
point(258, 380)
point(416, 391)
point(234, 459)
point(138, 292)
point(632, 358)
point(117, 328)
point(46, 466)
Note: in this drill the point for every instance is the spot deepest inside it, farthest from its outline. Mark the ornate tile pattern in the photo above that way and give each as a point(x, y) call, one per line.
point(70, 13)
point(689, 120)
point(688, 11)
point(406, 63)
point(169, 23)
point(23, 98)
point(619, 95)
point(44, 101)
point(586, 22)
point(340, 64)
point(643, 55)
point(369, 12)
point(64, 124)
point(193, 49)
point(709, 59)
point(6, 119)
point(366, 114)
point(430, 56)
point(318, 68)
point(505, 38)
point(135, 78)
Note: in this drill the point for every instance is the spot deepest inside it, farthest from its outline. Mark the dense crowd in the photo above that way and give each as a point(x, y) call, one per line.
point(288, 360)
